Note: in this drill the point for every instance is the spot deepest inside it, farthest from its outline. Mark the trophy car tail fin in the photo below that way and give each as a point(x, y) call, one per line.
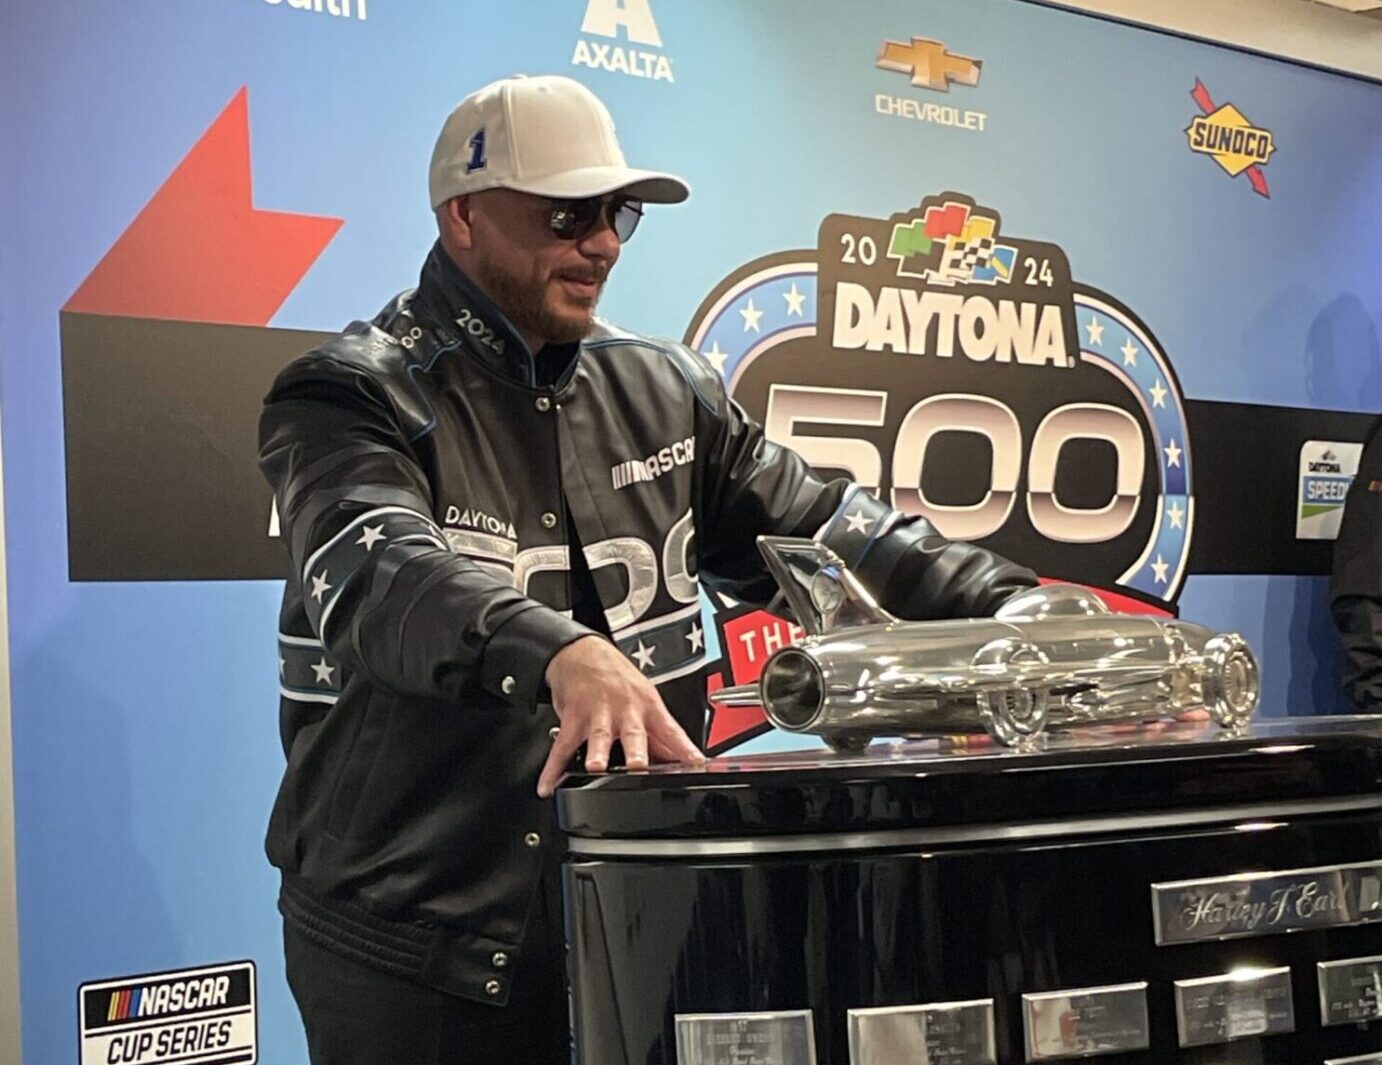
point(821, 591)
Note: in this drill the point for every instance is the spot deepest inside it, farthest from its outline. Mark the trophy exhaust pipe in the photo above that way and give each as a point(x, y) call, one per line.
point(793, 689)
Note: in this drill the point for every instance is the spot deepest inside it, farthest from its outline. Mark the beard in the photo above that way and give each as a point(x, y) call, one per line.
point(525, 300)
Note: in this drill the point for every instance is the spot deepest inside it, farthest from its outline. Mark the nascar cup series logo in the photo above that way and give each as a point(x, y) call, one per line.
point(205, 1016)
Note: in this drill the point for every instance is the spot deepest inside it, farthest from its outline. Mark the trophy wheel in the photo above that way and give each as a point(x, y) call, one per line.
point(1232, 682)
point(848, 742)
point(1012, 715)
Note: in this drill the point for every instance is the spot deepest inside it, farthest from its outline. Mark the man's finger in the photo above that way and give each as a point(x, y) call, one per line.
point(673, 741)
point(597, 742)
point(635, 741)
point(563, 748)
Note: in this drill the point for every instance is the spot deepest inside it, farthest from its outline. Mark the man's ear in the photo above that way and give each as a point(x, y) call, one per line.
point(453, 220)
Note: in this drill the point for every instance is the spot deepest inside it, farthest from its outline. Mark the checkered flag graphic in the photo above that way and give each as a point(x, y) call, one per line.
point(977, 254)
point(961, 260)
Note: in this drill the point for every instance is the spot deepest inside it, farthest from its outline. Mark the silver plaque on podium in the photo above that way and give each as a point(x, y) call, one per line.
point(1248, 1002)
point(942, 1033)
point(1259, 904)
point(1350, 990)
point(783, 1037)
point(1085, 1022)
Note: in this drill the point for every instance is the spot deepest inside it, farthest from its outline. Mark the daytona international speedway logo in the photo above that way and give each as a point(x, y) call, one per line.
point(962, 374)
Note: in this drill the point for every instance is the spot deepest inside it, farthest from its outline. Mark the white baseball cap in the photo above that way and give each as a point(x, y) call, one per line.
point(548, 135)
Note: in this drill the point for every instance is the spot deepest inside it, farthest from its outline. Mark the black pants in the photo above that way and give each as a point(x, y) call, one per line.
point(356, 1015)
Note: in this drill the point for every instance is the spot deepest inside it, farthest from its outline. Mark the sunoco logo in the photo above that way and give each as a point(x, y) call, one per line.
point(205, 1016)
point(1225, 134)
point(957, 369)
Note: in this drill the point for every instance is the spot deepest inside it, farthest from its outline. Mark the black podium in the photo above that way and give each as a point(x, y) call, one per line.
point(1181, 895)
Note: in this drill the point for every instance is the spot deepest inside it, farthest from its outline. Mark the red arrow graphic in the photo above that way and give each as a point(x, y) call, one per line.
point(200, 250)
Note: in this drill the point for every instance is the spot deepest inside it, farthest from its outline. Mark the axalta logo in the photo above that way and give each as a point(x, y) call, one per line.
point(618, 20)
point(634, 471)
point(338, 8)
point(1225, 134)
point(930, 65)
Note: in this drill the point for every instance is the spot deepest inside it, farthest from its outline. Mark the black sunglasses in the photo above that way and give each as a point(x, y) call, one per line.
point(574, 219)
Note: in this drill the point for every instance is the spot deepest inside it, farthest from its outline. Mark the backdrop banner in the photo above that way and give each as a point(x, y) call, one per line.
point(1101, 298)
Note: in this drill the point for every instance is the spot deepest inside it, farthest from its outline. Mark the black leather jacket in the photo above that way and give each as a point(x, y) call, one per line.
point(1355, 587)
point(423, 481)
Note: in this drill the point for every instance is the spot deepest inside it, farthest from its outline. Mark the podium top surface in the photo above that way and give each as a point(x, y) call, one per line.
point(1079, 782)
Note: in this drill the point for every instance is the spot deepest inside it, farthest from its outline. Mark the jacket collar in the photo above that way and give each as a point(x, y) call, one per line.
point(470, 320)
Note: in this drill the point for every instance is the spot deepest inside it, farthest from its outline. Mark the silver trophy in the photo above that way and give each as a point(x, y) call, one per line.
point(1052, 657)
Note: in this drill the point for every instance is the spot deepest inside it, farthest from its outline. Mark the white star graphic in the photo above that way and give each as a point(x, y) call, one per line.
point(857, 522)
point(1130, 351)
point(320, 587)
point(323, 671)
point(1158, 394)
point(717, 357)
point(1096, 331)
point(370, 537)
point(282, 665)
point(794, 300)
point(1176, 515)
point(751, 315)
point(696, 637)
point(644, 656)
point(1159, 568)
point(1172, 453)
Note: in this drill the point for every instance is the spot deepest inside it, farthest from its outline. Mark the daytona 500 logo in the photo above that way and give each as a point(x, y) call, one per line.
point(962, 374)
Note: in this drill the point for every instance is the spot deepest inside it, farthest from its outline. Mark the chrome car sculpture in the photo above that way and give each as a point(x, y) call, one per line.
point(1054, 656)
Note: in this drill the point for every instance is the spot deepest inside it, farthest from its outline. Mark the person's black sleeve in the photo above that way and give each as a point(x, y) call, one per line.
point(1355, 586)
point(378, 583)
point(751, 486)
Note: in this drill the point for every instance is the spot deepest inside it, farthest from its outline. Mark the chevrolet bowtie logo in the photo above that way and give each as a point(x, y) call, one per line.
point(929, 64)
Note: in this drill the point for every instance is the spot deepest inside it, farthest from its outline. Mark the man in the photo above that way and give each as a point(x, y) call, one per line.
point(500, 511)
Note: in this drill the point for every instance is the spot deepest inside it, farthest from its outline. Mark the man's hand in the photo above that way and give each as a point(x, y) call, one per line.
point(600, 697)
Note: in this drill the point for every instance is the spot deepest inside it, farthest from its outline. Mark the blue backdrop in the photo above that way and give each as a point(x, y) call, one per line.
point(144, 713)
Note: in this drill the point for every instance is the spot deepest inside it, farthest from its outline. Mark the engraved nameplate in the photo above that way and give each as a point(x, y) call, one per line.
point(777, 1038)
point(1259, 904)
point(1350, 990)
point(1218, 1009)
point(942, 1033)
point(1085, 1022)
